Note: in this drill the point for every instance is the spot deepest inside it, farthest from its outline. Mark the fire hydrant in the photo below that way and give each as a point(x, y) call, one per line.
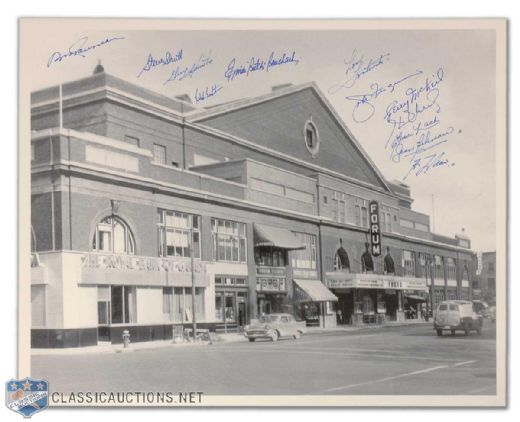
point(126, 338)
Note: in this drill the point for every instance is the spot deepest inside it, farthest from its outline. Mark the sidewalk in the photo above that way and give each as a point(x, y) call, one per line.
point(106, 347)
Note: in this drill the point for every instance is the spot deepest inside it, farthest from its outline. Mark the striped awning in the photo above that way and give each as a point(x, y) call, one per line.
point(312, 291)
point(276, 237)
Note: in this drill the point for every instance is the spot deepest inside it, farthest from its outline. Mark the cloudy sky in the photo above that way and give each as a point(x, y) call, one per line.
point(434, 88)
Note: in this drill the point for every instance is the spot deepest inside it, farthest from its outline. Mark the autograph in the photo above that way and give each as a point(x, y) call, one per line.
point(79, 49)
point(208, 92)
point(181, 73)
point(363, 109)
point(256, 64)
point(356, 68)
point(422, 165)
point(168, 58)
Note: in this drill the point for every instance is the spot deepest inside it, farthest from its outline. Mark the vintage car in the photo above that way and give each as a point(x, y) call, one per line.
point(453, 315)
point(274, 326)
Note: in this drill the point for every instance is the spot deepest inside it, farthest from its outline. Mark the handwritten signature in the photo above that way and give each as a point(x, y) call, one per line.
point(79, 49)
point(356, 68)
point(207, 92)
point(363, 108)
point(181, 73)
point(168, 58)
point(422, 165)
point(257, 64)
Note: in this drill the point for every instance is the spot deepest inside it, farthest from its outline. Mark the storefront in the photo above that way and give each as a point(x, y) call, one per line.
point(231, 303)
point(373, 298)
point(314, 302)
point(272, 245)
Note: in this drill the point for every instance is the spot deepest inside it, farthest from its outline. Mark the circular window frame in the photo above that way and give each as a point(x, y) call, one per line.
point(313, 151)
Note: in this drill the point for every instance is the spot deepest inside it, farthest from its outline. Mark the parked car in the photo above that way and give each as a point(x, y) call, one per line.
point(274, 326)
point(456, 315)
point(480, 306)
point(490, 313)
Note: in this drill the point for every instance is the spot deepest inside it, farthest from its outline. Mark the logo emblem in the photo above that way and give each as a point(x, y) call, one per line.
point(27, 396)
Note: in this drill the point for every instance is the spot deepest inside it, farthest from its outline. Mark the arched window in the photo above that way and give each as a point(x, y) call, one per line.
point(341, 261)
point(113, 235)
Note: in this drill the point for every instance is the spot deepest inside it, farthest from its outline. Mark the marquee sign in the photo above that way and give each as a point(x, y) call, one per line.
point(373, 281)
point(375, 234)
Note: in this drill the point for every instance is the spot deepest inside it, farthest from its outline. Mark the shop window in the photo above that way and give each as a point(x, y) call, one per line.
point(305, 258)
point(229, 240)
point(123, 304)
point(159, 154)
point(113, 235)
point(270, 257)
point(175, 231)
point(180, 306)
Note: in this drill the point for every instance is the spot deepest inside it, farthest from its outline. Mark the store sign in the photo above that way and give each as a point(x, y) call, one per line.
point(375, 234)
point(270, 284)
point(270, 270)
point(374, 281)
point(139, 263)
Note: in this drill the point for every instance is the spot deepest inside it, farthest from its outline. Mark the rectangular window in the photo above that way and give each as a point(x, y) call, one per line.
point(229, 240)
point(364, 216)
point(270, 257)
point(123, 304)
point(425, 266)
point(389, 222)
point(439, 267)
point(159, 154)
point(334, 209)
point(451, 269)
point(175, 231)
point(305, 258)
point(409, 263)
point(168, 307)
point(357, 215)
point(406, 223)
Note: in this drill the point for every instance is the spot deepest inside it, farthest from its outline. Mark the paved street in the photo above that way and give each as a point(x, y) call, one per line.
point(397, 360)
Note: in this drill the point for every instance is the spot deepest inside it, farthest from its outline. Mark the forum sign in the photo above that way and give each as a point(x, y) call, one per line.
point(375, 234)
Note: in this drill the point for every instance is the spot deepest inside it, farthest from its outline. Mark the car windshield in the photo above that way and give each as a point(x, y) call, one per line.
point(269, 318)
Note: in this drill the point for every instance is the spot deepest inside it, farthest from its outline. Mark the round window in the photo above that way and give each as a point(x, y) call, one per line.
point(312, 140)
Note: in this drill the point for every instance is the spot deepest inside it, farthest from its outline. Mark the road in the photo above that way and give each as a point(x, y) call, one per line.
point(406, 360)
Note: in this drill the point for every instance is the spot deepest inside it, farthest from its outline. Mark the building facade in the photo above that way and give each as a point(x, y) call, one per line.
point(148, 213)
point(484, 286)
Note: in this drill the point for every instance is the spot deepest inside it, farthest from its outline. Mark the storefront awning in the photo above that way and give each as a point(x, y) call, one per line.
point(276, 237)
point(312, 291)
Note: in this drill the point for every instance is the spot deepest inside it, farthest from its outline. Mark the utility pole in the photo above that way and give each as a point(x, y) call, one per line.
point(192, 283)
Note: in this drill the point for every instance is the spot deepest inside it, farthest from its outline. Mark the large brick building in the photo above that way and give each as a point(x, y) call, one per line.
point(261, 204)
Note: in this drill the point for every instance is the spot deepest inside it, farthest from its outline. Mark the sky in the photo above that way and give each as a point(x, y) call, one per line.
point(445, 79)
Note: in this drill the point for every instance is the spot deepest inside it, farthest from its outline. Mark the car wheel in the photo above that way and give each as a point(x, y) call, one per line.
point(251, 339)
point(297, 335)
point(275, 335)
point(439, 332)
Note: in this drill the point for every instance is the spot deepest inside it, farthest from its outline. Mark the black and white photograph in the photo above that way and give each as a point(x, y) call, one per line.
point(262, 213)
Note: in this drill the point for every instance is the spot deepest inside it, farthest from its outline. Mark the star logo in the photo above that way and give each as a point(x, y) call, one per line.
point(13, 386)
point(40, 386)
point(27, 385)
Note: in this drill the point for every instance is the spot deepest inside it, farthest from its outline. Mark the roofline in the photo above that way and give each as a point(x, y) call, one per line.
point(237, 105)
